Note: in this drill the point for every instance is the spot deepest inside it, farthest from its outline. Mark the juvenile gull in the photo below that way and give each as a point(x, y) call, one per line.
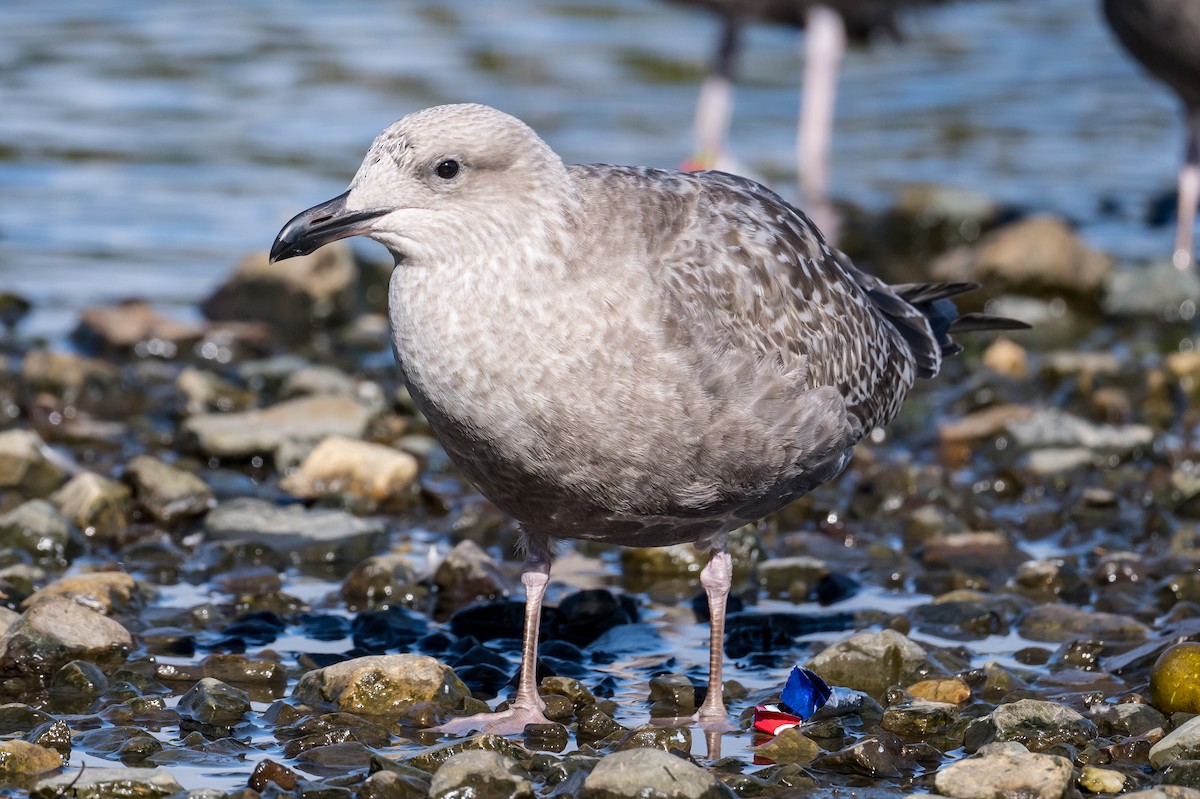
point(631, 355)
point(1165, 36)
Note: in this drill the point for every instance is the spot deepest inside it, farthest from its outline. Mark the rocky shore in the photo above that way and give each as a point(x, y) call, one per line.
point(234, 562)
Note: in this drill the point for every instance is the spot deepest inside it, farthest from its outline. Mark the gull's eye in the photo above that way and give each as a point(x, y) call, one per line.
point(447, 169)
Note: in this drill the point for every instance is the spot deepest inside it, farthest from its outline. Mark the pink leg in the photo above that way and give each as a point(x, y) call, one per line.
point(714, 107)
point(1189, 193)
point(716, 579)
point(527, 707)
point(824, 44)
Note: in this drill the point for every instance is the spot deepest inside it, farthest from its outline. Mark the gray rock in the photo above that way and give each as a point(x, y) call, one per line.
point(480, 774)
point(211, 701)
point(78, 679)
point(380, 684)
point(98, 506)
point(95, 782)
point(1054, 428)
point(1181, 773)
point(165, 491)
point(386, 784)
point(58, 630)
point(77, 382)
point(1156, 288)
point(321, 289)
point(651, 773)
point(261, 432)
point(380, 579)
point(369, 476)
point(25, 466)
point(317, 380)
point(873, 662)
point(310, 536)
point(1127, 718)
point(919, 718)
point(37, 528)
point(1033, 723)
point(1183, 743)
point(1001, 771)
point(1164, 792)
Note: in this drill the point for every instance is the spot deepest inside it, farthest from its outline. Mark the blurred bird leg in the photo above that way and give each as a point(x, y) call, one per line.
point(1189, 194)
point(824, 44)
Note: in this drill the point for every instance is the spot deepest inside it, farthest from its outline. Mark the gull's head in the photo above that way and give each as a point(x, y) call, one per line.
point(432, 180)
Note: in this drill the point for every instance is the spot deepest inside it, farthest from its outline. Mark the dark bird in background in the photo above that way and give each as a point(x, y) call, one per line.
point(827, 25)
point(636, 356)
point(1164, 35)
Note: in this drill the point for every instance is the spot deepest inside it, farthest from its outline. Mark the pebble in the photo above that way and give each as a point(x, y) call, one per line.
point(1183, 743)
point(467, 573)
point(1006, 357)
point(211, 701)
point(25, 467)
point(480, 774)
point(384, 684)
point(651, 772)
point(261, 432)
point(1005, 770)
point(98, 506)
point(105, 592)
point(789, 746)
point(167, 492)
point(368, 476)
point(1101, 780)
point(58, 630)
point(310, 535)
point(20, 759)
point(36, 528)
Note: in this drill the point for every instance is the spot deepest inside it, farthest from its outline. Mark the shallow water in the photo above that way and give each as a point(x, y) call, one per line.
point(145, 147)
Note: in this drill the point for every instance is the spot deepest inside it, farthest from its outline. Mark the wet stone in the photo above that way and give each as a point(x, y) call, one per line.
point(98, 506)
point(383, 684)
point(1182, 774)
point(971, 617)
point(1036, 724)
point(58, 630)
point(551, 737)
point(378, 580)
point(593, 724)
point(431, 760)
point(105, 783)
point(983, 553)
point(1126, 718)
point(37, 528)
point(19, 717)
point(78, 679)
point(1065, 623)
point(105, 592)
point(943, 689)
point(211, 701)
point(77, 382)
point(791, 578)
point(872, 662)
point(651, 772)
point(1175, 679)
point(1101, 780)
point(25, 466)
point(918, 718)
point(480, 774)
point(1004, 770)
point(879, 755)
point(467, 574)
point(263, 431)
point(167, 492)
point(134, 327)
point(789, 746)
point(311, 536)
point(1053, 428)
point(1183, 743)
point(20, 759)
point(205, 391)
point(672, 695)
point(54, 735)
point(652, 736)
point(366, 476)
point(584, 616)
point(391, 785)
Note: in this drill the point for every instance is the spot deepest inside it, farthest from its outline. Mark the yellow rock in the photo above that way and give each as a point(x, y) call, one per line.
point(1175, 679)
point(947, 689)
point(1101, 780)
point(21, 758)
point(1007, 357)
point(372, 473)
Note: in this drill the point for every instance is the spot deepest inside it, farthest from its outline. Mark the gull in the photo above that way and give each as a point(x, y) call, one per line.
point(637, 356)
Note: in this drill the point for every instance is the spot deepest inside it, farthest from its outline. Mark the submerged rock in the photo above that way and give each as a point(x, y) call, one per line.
point(106, 783)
